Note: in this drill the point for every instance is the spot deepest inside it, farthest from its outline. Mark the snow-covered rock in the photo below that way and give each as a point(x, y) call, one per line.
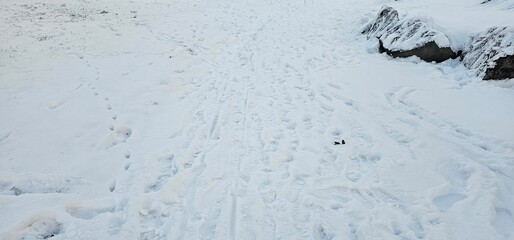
point(491, 53)
point(408, 37)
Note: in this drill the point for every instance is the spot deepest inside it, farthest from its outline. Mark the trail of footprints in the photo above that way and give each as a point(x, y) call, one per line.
point(119, 133)
point(158, 171)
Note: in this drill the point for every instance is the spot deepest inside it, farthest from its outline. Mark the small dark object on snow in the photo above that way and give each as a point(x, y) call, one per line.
point(340, 143)
point(103, 12)
point(16, 191)
point(337, 143)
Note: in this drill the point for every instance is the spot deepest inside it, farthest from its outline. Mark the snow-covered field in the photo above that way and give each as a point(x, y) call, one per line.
point(189, 119)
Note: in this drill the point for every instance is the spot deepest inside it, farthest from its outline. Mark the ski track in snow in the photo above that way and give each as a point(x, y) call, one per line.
point(235, 141)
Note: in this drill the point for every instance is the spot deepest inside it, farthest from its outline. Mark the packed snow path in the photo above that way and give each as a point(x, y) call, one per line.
point(217, 120)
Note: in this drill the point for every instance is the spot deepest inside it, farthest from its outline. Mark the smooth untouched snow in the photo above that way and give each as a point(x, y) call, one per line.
point(217, 120)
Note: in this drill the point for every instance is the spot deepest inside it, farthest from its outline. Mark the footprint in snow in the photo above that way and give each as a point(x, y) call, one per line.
point(90, 209)
point(119, 135)
point(504, 221)
point(445, 202)
point(164, 168)
point(127, 166)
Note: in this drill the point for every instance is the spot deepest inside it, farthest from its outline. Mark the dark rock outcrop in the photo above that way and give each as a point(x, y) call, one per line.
point(408, 37)
point(429, 52)
point(491, 54)
point(504, 69)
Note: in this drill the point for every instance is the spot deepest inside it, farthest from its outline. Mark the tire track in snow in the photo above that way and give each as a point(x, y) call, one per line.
point(208, 145)
point(478, 161)
point(398, 98)
point(234, 207)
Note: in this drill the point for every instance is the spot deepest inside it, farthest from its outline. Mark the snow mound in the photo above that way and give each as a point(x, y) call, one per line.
point(486, 49)
point(405, 34)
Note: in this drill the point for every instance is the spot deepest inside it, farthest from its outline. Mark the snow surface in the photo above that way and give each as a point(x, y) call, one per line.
point(217, 120)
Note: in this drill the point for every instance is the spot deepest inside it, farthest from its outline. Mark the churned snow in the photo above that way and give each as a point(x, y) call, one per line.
point(217, 120)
